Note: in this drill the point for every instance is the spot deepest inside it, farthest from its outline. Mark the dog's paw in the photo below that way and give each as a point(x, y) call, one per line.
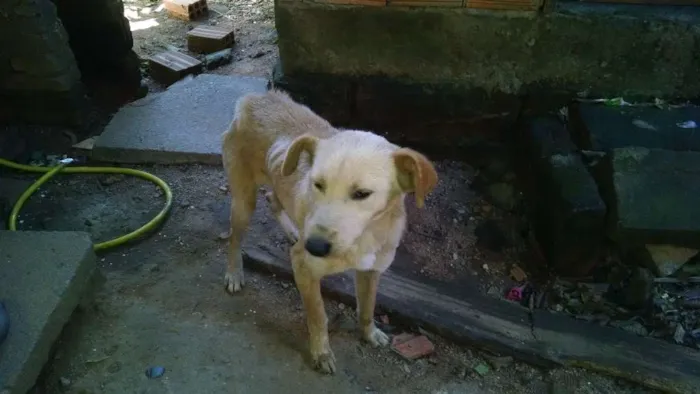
point(234, 281)
point(376, 337)
point(325, 362)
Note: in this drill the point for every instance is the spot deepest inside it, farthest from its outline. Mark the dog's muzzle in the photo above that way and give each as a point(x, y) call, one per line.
point(317, 246)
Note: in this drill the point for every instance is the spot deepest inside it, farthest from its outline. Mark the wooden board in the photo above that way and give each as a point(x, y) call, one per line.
point(501, 327)
point(515, 5)
point(646, 2)
point(426, 3)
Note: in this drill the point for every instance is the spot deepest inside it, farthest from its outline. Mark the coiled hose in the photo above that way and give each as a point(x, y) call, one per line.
point(49, 172)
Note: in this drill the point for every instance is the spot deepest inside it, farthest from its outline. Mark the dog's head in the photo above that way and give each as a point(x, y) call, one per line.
point(354, 177)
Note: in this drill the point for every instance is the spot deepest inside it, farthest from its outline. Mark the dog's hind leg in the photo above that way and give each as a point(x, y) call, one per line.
point(242, 186)
point(290, 230)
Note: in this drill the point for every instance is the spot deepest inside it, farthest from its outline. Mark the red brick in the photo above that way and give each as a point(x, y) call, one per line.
point(209, 39)
point(412, 348)
point(170, 66)
point(186, 9)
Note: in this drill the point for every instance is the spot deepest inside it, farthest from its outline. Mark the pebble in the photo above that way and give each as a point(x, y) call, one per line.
point(65, 382)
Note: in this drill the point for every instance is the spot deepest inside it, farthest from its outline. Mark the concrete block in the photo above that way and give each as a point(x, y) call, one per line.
point(171, 66)
point(43, 278)
point(186, 9)
point(180, 125)
point(656, 196)
point(568, 212)
point(208, 39)
point(603, 128)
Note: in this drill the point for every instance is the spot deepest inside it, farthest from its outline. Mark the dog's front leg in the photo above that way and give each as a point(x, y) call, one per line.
point(316, 320)
point(366, 284)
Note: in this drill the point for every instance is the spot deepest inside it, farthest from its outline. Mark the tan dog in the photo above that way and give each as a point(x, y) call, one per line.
point(339, 196)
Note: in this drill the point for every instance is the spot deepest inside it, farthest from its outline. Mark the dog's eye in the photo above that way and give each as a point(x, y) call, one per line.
point(360, 194)
point(319, 186)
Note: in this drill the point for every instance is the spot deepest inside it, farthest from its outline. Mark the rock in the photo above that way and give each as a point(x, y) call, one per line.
point(499, 362)
point(568, 214)
point(633, 327)
point(490, 235)
point(503, 195)
point(636, 293)
point(679, 335)
point(668, 259)
point(65, 382)
point(655, 197)
point(482, 369)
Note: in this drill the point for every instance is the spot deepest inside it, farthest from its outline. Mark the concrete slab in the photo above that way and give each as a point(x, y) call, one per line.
point(181, 125)
point(43, 277)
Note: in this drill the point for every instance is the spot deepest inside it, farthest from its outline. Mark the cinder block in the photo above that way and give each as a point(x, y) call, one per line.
point(209, 39)
point(186, 9)
point(170, 66)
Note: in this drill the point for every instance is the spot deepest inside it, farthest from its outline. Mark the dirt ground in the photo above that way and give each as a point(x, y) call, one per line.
point(163, 304)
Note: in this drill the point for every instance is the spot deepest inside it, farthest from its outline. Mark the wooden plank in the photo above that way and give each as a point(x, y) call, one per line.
point(515, 5)
point(646, 2)
point(379, 3)
point(546, 340)
point(426, 3)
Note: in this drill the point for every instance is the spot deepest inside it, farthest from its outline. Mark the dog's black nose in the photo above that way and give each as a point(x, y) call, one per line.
point(318, 246)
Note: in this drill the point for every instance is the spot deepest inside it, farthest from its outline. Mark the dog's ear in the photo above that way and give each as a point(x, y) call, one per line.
point(304, 143)
point(415, 174)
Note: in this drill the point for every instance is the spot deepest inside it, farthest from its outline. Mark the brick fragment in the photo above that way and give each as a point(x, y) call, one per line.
point(209, 39)
point(412, 347)
point(186, 9)
point(170, 66)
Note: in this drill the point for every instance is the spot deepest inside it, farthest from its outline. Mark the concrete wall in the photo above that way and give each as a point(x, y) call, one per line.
point(599, 50)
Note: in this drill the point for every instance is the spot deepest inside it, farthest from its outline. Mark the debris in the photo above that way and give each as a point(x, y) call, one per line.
point(155, 372)
point(643, 125)
point(111, 179)
point(498, 362)
point(209, 39)
point(516, 293)
point(186, 9)
point(223, 188)
point(96, 360)
point(688, 124)
point(517, 273)
point(219, 58)
point(691, 299)
point(482, 369)
point(679, 335)
point(669, 258)
point(384, 319)
point(412, 347)
point(170, 66)
point(65, 382)
point(341, 306)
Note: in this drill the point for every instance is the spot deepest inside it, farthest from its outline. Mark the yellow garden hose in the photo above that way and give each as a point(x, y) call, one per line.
point(49, 172)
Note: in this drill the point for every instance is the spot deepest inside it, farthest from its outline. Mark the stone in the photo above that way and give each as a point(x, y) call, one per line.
point(43, 278)
point(568, 214)
point(603, 128)
point(187, 10)
point(171, 66)
point(503, 195)
point(667, 259)
point(413, 347)
point(180, 125)
point(656, 197)
point(209, 39)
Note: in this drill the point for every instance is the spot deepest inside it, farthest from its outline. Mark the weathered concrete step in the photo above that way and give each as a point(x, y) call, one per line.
point(656, 196)
point(43, 278)
point(180, 125)
point(599, 127)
